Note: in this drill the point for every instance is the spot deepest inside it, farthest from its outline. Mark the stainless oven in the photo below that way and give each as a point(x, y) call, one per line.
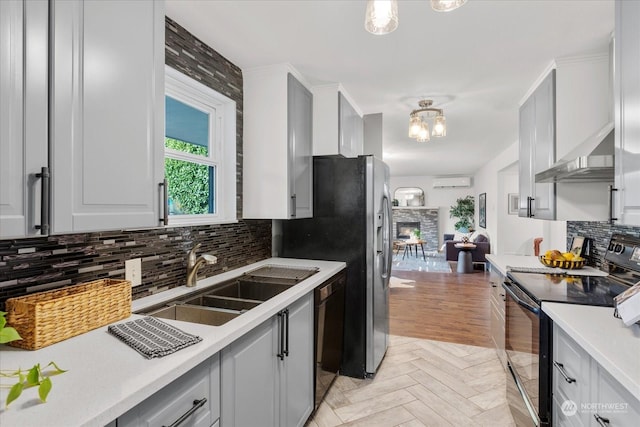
point(528, 347)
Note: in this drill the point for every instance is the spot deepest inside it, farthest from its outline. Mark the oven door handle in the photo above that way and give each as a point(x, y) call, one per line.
point(516, 298)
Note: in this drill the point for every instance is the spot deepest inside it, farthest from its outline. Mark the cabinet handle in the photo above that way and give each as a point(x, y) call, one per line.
point(45, 221)
point(603, 422)
point(286, 347)
point(293, 206)
point(281, 337)
point(197, 404)
point(493, 285)
point(611, 213)
point(164, 196)
point(529, 207)
point(566, 376)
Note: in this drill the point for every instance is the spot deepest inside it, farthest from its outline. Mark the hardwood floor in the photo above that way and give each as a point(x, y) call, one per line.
point(449, 307)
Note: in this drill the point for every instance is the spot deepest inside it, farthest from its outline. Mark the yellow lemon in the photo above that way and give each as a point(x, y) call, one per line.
point(568, 256)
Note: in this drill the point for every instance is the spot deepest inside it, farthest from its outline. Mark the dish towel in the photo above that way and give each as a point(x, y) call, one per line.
point(152, 337)
point(552, 270)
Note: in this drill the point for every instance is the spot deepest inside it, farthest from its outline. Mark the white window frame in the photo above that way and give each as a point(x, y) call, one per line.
point(222, 145)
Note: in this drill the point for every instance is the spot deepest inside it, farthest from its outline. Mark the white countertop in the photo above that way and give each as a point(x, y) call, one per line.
point(106, 378)
point(614, 346)
point(502, 262)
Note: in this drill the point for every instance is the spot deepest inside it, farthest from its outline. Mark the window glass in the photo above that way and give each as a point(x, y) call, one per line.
point(200, 150)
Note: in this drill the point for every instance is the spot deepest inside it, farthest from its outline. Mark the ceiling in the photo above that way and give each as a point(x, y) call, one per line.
point(477, 62)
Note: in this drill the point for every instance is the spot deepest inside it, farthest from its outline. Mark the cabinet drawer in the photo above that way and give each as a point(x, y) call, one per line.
point(560, 419)
point(179, 397)
point(575, 363)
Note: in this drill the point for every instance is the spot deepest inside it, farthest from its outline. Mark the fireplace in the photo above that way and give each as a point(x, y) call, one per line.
point(404, 229)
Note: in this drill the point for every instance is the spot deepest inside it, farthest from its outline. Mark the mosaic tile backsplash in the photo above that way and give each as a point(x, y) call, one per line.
point(38, 264)
point(600, 233)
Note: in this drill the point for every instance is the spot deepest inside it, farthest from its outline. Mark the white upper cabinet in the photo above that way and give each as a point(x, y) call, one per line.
point(23, 116)
point(537, 150)
point(277, 144)
point(555, 121)
point(337, 122)
point(627, 108)
point(107, 114)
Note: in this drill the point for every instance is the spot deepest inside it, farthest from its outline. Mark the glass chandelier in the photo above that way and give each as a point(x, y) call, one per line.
point(446, 5)
point(381, 16)
point(419, 128)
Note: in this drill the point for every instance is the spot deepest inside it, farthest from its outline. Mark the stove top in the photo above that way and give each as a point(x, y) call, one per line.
point(586, 290)
point(622, 262)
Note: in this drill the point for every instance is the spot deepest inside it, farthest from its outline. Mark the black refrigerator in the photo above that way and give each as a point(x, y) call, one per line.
point(351, 223)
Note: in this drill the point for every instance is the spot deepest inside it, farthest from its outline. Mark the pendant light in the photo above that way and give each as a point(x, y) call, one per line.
point(381, 16)
point(418, 127)
point(446, 5)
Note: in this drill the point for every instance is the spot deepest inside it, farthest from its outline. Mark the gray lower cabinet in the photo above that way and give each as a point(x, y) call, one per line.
point(584, 393)
point(195, 397)
point(498, 313)
point(267, 375)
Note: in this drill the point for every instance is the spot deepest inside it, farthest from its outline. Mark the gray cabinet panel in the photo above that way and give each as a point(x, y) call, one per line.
point(250, 379)
point(537, 151)
point(300, 136)
point(350, 127)
point(297, 368)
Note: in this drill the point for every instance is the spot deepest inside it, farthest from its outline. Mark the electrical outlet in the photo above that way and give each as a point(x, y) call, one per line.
point(133, 271)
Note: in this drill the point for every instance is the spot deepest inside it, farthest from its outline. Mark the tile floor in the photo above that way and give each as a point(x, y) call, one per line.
point(422, 383)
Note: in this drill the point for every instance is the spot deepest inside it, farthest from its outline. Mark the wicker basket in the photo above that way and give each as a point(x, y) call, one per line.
point(570, 265)
point(48, 317)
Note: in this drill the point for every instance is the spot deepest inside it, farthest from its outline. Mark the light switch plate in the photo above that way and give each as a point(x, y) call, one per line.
point(133, 271)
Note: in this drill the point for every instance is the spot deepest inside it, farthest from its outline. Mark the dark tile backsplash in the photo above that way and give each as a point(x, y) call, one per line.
point(37, 264)
point(600, 233)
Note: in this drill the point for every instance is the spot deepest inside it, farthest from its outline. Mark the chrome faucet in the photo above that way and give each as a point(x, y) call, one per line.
point(194, 263)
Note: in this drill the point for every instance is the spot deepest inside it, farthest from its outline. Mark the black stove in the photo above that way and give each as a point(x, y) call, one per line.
point(529, 331)
point(622, 262)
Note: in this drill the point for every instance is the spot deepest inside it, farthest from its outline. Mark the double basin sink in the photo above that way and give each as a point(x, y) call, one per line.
point(228, 300)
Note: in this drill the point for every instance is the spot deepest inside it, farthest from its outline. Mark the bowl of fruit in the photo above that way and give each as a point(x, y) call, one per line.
point(568, 260)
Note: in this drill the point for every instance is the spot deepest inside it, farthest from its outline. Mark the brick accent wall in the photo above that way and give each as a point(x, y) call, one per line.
point(36, 264)
point(428, 219)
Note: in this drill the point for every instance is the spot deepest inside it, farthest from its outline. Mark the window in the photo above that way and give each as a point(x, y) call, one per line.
point(200, 152)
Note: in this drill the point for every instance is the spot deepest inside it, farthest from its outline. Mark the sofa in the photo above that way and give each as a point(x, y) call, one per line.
point(483, 247)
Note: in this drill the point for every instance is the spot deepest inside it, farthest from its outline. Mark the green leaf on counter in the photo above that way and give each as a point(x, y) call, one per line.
point(58, 370)
point(44, 389)
point(14, 393)
point(8, 334)
point(33, 377)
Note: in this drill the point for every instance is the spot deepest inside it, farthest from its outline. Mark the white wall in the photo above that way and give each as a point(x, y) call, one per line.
point(441, 198)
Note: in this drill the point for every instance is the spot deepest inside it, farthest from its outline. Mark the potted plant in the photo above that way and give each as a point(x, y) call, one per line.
point(464, 209)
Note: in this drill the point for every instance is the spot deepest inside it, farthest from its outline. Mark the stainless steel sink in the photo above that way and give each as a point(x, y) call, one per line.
point(230, 299)
point(188, 313)
point(249, 290)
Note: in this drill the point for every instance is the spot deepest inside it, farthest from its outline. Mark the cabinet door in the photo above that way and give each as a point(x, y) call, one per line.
point(296, 388)
point(180, 397)
point(497, 314)
point(525, 163)
point(23, 114)
point(627, 105)
point(300, 139)
point(350, 128)
point(617, 405)
point(108, 114)
point(250, 379)
point(544, 147)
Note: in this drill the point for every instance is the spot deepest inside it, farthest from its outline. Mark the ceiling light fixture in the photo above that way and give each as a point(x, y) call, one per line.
point(419, 128)
point(381, 16)
point(446, 5)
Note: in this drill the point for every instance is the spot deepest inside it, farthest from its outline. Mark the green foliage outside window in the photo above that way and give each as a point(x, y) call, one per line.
point(188, 183)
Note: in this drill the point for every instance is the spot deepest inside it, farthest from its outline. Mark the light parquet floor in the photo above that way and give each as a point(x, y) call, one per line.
point(440, 368)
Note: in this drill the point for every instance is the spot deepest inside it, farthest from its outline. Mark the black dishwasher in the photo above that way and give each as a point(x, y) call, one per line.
point(329, 324)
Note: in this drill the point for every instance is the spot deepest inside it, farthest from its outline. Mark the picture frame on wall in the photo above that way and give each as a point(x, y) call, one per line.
point(482, 210)
point(513, 200)
point(578, 245)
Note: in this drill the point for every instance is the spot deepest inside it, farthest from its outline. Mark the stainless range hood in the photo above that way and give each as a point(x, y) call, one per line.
point(591, 161)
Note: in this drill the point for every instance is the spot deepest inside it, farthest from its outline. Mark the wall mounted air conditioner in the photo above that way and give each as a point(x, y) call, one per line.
point(449, 182)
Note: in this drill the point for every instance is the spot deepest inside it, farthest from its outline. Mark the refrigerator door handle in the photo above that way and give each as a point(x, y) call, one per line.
point(386, 233)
